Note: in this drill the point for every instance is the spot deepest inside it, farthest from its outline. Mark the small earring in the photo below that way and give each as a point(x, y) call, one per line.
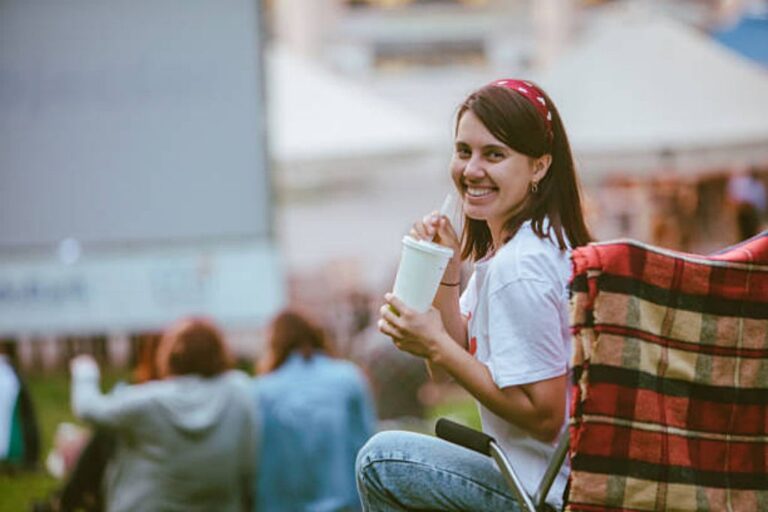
point(534, 187)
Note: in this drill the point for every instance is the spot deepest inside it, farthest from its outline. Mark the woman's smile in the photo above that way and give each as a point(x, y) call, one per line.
point(479, 192)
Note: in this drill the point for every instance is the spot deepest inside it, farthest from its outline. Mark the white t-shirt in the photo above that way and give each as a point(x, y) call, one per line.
point(517, 305)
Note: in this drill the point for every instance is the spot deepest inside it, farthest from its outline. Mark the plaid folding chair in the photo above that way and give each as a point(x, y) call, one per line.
point(670, 395)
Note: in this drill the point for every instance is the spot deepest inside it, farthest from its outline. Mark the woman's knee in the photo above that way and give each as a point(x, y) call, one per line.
point(385, 448)
point(379, 447)
point(413, 471)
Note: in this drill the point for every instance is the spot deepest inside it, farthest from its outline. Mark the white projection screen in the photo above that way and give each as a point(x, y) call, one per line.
point(134, 186)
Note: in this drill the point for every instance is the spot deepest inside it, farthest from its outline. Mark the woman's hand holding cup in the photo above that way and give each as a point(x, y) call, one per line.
point(419, 334)
point(437, 228)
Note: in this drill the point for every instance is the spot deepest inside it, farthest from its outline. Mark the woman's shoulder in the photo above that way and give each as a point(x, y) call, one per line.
point(530, 256)
point(529, 245)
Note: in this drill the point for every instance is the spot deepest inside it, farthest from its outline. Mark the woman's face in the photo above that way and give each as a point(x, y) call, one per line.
point(492, 178)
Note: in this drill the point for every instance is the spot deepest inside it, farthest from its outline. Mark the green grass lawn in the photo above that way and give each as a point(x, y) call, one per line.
point(461, 409)
point(50, 394)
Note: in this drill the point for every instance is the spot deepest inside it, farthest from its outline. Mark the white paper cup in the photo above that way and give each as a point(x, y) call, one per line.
point(422, 265)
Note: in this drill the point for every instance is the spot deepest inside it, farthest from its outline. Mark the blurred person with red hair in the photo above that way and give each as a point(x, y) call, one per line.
point(186, 442)
point(317, 413)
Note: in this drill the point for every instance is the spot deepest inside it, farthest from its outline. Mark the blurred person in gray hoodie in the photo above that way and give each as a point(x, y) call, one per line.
point(186, 442)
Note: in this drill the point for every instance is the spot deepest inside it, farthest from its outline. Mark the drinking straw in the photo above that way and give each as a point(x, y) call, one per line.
point(448, 207)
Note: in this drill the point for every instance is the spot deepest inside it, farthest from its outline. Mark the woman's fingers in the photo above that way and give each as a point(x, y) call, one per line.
point(447, 232)
point(426, 228)
point(397, 335)
point(390, 330)
point(419, 231)
point(394, 314)
point(400, 309)
point(431, 222)
point(411, 331)
point(390, 315)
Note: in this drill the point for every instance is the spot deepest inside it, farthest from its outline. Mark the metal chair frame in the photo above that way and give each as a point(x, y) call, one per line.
point(487, 445)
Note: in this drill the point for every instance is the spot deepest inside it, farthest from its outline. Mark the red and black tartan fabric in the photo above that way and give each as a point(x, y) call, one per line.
point(670, 396)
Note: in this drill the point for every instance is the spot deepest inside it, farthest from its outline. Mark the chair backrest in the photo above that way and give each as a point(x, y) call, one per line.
point(670, 396)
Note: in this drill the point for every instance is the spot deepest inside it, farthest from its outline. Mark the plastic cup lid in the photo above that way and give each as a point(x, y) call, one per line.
point(427, 246)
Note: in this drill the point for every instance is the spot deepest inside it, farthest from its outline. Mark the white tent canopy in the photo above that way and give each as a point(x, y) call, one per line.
point(363, 166)
point(636, 87)
point(319, 122)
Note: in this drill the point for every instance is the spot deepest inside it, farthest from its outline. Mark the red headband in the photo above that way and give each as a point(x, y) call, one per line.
point(533, 94)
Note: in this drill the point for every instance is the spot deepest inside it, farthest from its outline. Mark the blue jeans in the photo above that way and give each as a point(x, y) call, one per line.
point(407, 471)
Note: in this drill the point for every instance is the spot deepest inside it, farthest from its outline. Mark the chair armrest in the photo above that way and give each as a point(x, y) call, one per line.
point(486, 445)
point(464, 436)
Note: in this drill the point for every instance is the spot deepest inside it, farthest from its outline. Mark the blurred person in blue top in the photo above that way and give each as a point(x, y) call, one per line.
point(316, 412)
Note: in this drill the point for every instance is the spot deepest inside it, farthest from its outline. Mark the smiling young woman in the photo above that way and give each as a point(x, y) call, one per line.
point(493, 178)
point(506, 338)
point(519, 124)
